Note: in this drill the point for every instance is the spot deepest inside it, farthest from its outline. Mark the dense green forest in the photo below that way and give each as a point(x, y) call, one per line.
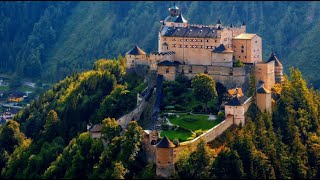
point(50, 40)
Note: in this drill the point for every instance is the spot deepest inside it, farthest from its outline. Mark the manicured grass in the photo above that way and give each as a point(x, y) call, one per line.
point(180, 134)
point(194, 121)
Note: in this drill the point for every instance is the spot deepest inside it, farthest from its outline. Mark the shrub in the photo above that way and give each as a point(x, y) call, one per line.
point(176, 142)
point(220, 115)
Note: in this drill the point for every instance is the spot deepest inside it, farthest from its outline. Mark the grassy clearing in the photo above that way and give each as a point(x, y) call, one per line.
point(180, 134)
point(194, 122)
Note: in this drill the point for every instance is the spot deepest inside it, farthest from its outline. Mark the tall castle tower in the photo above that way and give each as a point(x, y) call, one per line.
point(164, 157)
point(278, 68)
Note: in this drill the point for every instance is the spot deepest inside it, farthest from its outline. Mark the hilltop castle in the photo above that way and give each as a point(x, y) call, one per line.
point(189, 49)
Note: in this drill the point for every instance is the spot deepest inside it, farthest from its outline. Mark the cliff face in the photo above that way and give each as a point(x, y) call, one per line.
point(53, 39)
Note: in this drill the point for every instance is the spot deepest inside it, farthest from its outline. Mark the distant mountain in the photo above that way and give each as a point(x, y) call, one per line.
point(53, 39)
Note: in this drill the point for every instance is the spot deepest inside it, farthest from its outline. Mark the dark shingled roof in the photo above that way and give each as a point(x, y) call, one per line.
point(165, 143)
point(95, 128)
point(180, 19)
point(236, 101)
point(192, 31)
point(222, 49)
point(274, 58)
point(169, 63)
point(263, 90)
point(136, 51)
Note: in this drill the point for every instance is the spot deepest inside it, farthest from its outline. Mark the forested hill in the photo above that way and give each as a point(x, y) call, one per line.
point(52, 39)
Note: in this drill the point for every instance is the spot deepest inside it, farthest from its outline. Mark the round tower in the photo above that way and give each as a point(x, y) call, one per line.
point(278, 68)
point(135, 56)
point(165, 158)
point(263, 99)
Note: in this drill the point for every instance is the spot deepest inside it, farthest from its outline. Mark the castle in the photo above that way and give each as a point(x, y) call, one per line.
point(189, 49)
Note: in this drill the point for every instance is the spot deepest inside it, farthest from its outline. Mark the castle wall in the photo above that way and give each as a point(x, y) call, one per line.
point(133, 60)
point(229, 77)
point(222, 59)
point(169, 72)
point(265, 72)
point(264, 102)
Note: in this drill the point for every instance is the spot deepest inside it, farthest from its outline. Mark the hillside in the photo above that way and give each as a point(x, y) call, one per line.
point(59, 38)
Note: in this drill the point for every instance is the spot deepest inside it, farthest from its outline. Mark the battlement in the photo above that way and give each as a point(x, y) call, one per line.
point(162, 53)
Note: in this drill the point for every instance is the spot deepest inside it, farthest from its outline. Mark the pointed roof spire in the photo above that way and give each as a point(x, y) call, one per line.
point(231, 26)
point(136, 51)
point(180, 19)
point(165, 143)
point(219, 28)
point(219, 22)
point(243, 23)
point(274, 58)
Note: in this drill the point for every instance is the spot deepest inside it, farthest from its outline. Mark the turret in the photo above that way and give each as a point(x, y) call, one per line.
point(135, 56)
point(175, 18)
point(278, 68)
point(164, 157)
point(263, 99)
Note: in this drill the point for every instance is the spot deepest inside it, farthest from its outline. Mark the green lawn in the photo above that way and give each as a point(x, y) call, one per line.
point(194, 122)
point(180, 134)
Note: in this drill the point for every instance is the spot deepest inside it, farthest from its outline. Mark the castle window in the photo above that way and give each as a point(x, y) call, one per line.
point(164, 39)
point(186, 46)
point(245, 57)
point(132, 61)
point(201, 40)
point(239, 56)
point(254, 56)
point(254, 50)
point(242, 46)
point(167, 70)
point(256, 41)
point(257, 56)
point(201, 46)
point(169, 162)
point(207, 40)
point(174, 39)
point(242, 51)
point(173, 45)
point(215, 40)
point(225, 39)
point(180, 45)
point(190, 71)
point(182, 71)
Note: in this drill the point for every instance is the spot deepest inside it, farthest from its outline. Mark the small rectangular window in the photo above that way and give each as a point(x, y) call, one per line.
point(242, 51)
